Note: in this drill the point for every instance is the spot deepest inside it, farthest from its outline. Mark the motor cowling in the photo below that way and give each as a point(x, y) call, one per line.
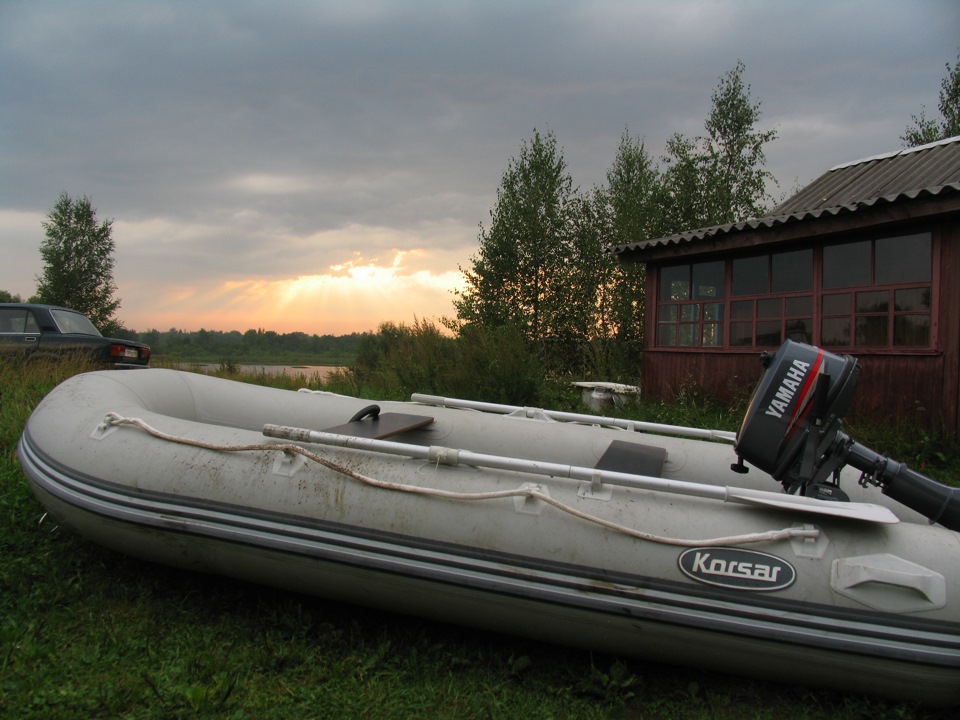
point(791, 430)
point(804, 390)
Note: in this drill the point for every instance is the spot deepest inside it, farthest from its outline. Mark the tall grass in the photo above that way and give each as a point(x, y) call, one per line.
point(87, 633)
point(495, 364)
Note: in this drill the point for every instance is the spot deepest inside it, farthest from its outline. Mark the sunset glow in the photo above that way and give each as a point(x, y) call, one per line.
point(349, 297)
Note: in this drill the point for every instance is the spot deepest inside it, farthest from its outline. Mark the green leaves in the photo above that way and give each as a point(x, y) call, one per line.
point(542, 263)
point(926, 130)
point(78, 262)
point(541, 266)
point(719, 178)
point(518, 274)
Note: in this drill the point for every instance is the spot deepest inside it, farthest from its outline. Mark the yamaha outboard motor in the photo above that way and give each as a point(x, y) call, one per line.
point(792, 431)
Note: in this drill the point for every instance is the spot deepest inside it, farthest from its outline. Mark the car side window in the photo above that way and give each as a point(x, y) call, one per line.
point(30, 325)
point(14, 320)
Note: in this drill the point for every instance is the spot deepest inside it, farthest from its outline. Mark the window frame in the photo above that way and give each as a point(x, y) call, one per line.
point(695, 316)
point(910, 312)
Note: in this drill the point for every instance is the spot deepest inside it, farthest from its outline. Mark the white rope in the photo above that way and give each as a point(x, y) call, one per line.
point(114, 419)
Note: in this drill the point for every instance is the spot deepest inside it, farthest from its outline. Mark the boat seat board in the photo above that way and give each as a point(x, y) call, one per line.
point(382, 426)
point(636, 458)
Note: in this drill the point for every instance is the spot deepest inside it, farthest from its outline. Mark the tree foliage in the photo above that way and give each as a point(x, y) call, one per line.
point(633, 193)
point(719, 178)
point(685, 204)
point(542, 264)
point(78, 262)
point(8, 297)
point(632, 198)
point(926, 130)
point(521, 270)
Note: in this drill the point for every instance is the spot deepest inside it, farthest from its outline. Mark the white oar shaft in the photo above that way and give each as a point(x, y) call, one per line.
point(634, 425)
point(454, 456)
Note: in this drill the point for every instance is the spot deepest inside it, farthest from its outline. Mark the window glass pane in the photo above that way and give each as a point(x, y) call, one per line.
point(741, 334)
point(668, 313)
point(836, 304)
point(912, 299)
point(770, 308)
point(768, 332)
point(675, 283)
point(911, 330)
point(689, 313)
point(713, 311)
point(666, 335)
point(13, 320)
point(712, 335)
point(74, 323)
point(751, 275)
point(903, 259)
point(798, 306)
point(31, 326)
point(687, 335)
point(871, 330)
point(792, 271)
point(800, 330)
point(846, 265)
point(876, 301)
point(742, 309)
point(708, 280)
point(835, 331)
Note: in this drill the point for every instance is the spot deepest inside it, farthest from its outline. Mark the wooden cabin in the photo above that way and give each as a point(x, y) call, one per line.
point(863, 261)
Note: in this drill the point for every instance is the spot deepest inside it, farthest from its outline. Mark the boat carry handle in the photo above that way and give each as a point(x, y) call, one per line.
point(370, 411)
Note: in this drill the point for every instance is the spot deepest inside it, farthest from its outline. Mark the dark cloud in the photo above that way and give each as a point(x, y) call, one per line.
point(246, 132)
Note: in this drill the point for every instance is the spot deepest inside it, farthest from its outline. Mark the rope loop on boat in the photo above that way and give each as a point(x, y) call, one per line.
point(113, 419)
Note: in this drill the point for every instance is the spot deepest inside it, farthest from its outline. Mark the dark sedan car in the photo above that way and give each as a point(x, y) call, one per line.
point(35, 331)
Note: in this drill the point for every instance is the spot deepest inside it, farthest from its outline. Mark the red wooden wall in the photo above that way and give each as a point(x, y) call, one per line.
point(920, 388)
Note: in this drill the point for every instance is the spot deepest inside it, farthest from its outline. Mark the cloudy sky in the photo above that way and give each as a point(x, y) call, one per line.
point(324, 166)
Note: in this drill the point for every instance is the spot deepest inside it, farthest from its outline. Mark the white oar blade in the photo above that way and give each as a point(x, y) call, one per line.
point(866, 512)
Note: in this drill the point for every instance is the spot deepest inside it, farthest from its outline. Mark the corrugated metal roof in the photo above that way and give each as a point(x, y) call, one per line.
point(925, 171)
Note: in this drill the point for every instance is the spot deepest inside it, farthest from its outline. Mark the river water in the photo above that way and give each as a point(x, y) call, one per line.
point(307, 370)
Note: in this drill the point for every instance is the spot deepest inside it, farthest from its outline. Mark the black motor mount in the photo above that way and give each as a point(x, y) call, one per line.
point(791, 430)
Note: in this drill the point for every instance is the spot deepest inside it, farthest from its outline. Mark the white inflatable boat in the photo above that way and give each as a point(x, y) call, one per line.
point(635, 539)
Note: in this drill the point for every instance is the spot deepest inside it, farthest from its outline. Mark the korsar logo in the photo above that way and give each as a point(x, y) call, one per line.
point(737, 569)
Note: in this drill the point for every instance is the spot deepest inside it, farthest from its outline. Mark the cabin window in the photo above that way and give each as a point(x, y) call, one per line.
point(770, 298)
point(782, 304)
point(886, 293)
point(690, 307)
point(874, 293)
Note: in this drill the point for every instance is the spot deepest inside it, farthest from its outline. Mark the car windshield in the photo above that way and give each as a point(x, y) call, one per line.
point(74, 323)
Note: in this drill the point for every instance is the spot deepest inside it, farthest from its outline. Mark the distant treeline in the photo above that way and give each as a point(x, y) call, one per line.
point(254, 346)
